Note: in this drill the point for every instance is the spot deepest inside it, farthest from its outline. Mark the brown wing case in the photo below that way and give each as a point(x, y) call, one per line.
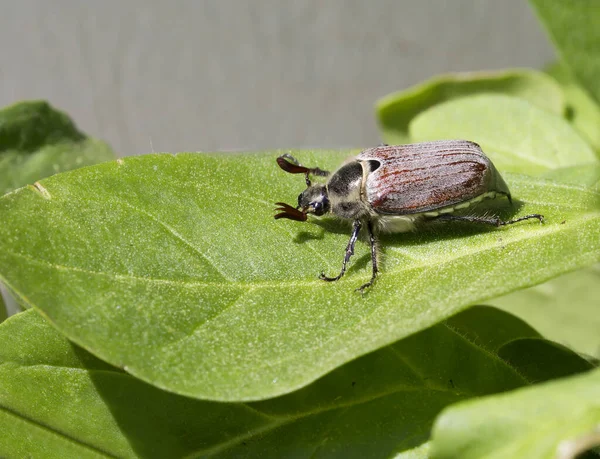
point(422, 177)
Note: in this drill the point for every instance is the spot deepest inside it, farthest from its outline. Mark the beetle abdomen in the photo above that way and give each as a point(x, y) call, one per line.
point(424, 177)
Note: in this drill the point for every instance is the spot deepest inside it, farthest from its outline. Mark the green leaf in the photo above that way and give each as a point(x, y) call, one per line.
point(516, 135)
point(542, 360)
point(583, 111)
point(57, 400)
point(564, 309)
point(3, 313)
point(573, 27)
point(396, 111)
point(37, 141)
point(173, 268)
point(534, 422)
point(587, 175)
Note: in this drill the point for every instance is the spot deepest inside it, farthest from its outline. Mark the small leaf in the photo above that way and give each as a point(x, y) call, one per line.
point(397, 110)
point(535, 422)
point(37, 141)
point(573, 27)
point(57, 400)
point(564, 309)
point(516, 135)
point(173, 268)
point(583, 111)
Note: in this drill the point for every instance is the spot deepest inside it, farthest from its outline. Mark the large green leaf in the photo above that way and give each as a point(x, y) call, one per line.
point(59, 401)
point(564, 309)
point(37, 141)
point(515, 134)
point(173, 268)
point(396, 110)
point(573, 27)
point(537, 422)
point(582, 110)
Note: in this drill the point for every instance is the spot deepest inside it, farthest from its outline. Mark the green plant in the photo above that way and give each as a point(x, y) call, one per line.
point(169, 315)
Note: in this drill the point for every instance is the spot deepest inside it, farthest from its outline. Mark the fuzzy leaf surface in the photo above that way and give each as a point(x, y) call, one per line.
point(173, 268)
point(57, 400)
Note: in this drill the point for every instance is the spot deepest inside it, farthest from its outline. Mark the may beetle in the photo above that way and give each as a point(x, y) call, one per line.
point(392, 188)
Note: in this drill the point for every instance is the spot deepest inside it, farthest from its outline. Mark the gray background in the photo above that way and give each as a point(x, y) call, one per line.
point(234, 74)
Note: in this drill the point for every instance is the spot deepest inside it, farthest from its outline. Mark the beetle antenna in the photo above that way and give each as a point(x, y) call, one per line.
point(287, 211)
point(291, 165)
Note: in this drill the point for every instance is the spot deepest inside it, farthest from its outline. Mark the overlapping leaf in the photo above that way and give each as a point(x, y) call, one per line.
point(556, 419)
point(396, 111)
point(582, 110)
point(565, 309)
point(59, 401)
point(173, 268)
point(573, 27)
point(515, 134)
point(37, 141)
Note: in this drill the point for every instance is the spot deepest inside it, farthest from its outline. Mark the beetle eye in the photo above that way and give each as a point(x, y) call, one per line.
point(320, 207)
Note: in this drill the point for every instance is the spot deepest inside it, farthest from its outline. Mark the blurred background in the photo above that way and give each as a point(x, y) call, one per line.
point(238, 75)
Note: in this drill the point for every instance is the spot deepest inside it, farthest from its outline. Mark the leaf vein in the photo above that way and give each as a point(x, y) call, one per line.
point(54, 431)
point(179, 237)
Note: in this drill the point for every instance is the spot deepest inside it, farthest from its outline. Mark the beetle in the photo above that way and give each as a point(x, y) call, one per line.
point(393, 188)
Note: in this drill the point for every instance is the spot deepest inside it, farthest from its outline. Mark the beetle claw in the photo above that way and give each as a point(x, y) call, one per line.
point(363, 287)
point(325, 278)
point(287, 211)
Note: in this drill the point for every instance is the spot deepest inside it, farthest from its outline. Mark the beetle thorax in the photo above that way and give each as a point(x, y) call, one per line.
point(345, 191)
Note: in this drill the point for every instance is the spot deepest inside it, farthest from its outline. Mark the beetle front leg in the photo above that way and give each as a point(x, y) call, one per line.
point(373, 241)
point(290, 164)
point(349, 252)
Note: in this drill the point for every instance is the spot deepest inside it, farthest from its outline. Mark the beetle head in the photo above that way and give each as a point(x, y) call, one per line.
point(314, 200)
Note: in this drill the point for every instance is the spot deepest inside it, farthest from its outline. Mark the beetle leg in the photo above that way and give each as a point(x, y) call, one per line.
point(349, 252)
point(373, 242)
point(311, 170)
point(290, 164)
point(494, 221)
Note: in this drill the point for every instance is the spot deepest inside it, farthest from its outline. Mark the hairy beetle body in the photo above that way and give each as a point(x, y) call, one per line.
point(390, 188)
